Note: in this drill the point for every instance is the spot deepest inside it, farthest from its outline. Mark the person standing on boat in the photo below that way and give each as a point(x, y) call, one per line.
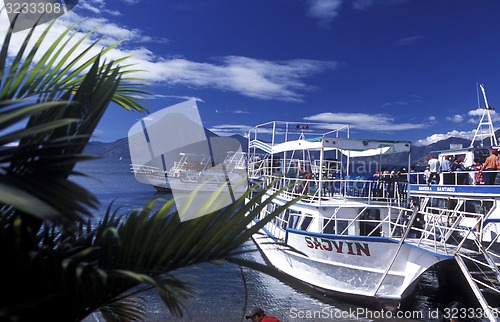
point(458, 166)
point(434, 169)
point(427, 175)
point(445, 169)
point(490, 165)
point(478, 176)
point(257, 315)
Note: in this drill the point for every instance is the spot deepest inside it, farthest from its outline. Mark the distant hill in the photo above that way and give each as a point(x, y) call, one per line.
point(119, 148)
point(419, 154)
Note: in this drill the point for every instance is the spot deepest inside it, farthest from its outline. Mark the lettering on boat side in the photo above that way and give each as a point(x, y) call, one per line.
point(446, 189)
point(342, 247)
point(440, 189)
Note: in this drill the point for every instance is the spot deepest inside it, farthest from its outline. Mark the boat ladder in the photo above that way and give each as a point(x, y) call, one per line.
point(483, 277)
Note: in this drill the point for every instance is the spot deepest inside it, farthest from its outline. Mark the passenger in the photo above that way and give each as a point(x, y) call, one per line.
point(478, 176)
point(386, 174)
point(419, 223)
point(402, 175)
point(413, 174)
point(257, 315)
point(446, 168)
point(458, 166)
point(393, 174)
point(434, 169)
point(490, 165)
point(427, 175)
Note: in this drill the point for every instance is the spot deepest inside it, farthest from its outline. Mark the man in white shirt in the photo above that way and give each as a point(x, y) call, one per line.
point(434, 169)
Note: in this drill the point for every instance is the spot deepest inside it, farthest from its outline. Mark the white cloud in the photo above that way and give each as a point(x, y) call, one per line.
point(469, 135)
point(438, 137)
point(408, 40)
point(197, 99)
point(96, 7)
point(270, 80)
point(371, 122)
point(327, 10)
point(232, 111)
point(324, 10)
point(457, 118)
point(87, 6)
point(282, 80)
point(362, 4)
point(230, 129)
point(477, 112)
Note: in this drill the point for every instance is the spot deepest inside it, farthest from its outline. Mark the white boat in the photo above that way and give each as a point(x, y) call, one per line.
point(367, 238)
point(151, 175)
point(170, 149)
point(194, 171)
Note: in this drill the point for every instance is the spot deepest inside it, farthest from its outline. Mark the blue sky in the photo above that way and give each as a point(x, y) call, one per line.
point(393, 69)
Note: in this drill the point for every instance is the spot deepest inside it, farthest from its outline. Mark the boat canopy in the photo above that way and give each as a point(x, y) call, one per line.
point(348, 147)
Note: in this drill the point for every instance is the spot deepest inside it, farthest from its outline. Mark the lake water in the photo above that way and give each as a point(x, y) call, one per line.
point(226, 291)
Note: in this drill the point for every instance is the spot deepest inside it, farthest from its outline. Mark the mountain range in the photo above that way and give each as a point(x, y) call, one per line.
point(119, 148)
point(419, 154)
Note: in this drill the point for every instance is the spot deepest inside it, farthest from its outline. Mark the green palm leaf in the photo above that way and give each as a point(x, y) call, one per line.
point(60, 107)
point(59, 265)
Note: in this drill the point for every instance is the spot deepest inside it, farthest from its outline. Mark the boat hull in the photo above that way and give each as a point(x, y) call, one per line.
point(163, 189)
point(353, 266)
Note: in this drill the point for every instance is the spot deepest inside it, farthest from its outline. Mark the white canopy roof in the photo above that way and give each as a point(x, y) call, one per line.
point(350, 147)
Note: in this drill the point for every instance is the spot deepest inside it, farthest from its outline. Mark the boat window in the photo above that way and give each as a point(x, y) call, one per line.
point(294, 217)
point(341, 226)
point(305, 223)
point(439, 203)
point(329, 226)
point(481, 154)
point(452, 204)
point(294, 220)
point(456, 156)
point(369, 222)
point(285, 219)
point(478, 206)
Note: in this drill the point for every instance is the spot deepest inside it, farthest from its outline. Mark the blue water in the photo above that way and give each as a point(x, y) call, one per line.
point(225, 291)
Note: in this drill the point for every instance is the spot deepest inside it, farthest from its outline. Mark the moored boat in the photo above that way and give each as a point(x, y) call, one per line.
point(346, 234)
point(372, 238)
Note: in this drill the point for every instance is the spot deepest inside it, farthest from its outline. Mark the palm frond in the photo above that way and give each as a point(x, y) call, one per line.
point(58, 71)
point(60, 107)
point(130, 308)
point(56, 257)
